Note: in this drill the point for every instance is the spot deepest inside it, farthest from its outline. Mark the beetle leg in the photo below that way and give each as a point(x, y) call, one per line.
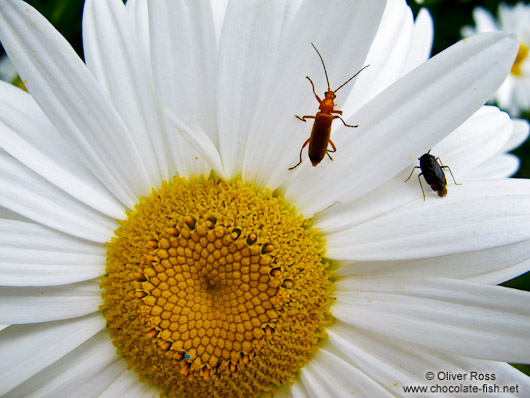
point(448, 168)
point(346, 124)
point(312, 85)
point(303, 118)
point(303, 146)
point(410, 175)
point(421, 185)
point(329, 150)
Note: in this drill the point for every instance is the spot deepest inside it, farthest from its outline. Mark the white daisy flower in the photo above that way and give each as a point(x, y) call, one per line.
point(514, 94)
point(130, 269)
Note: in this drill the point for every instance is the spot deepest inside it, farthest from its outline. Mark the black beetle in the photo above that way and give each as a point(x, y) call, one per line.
point(432, 171)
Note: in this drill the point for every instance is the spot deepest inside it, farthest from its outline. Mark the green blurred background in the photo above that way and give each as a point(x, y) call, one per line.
point(448, 15)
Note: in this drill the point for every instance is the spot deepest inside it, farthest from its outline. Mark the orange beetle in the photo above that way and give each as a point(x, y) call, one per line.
point(320, 134)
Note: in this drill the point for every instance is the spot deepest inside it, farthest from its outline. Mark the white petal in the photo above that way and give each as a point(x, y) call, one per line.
point(329, 376)
point(275, 132)
point(72, 100)
point(500, 166)
point(128, 384)
point(33, 255)
point(389, 196)
point(504, 96)
point(520, 134)
point(39, 200)
point(515, 17)
point(472, 143)
point(492, 266)
point(27, 267)
point(11, 215)
point(467, 31)
point(387, 57)
point(400, 124)
point(28, 136)
point(420, 48)
point(459, 317)
point(506, 273)
point(389, 362)
point(243, 69)
point(396, 364)
point(521, 93)
point(484, 20)
point(113, 54)
point(19, 305)
point(36, 268)
point(504, 374)
point(219, 11)
point(183, 47)
point(139, 17)
point(298, 390)
point(85, 371)
point(476, 215)
point(475, 141)
point(199, 140)
point(27, 349)
point(22, 235)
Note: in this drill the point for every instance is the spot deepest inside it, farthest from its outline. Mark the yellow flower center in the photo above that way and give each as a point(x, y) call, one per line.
point(522, 54)
point(215, 288)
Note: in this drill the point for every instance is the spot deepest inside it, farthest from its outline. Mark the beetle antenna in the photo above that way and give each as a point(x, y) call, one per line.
point(347, 81)
point(324, 65)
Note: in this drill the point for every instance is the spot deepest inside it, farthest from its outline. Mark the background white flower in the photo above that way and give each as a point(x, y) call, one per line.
point(514, 94)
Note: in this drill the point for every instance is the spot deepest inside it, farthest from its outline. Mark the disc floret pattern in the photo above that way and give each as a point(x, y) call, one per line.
point(216, 289)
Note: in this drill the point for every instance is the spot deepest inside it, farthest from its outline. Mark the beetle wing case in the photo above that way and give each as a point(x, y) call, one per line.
point(433, 174)
point(318, 144)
